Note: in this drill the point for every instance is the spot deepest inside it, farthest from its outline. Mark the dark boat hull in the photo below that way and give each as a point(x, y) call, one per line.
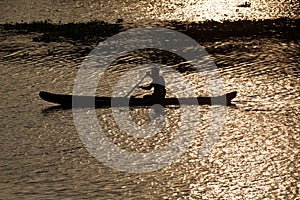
point(89, 101)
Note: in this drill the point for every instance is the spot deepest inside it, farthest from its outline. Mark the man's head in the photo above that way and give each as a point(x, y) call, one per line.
point(154, 72)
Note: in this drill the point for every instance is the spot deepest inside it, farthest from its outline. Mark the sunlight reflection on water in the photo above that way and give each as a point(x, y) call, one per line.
point(257, 155)
point(142, 11)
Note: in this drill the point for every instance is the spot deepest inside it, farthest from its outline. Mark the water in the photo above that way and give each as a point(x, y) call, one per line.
point(256, 157)
point(141, 11)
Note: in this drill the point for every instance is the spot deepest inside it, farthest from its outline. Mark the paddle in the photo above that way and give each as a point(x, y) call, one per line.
point(136, 85)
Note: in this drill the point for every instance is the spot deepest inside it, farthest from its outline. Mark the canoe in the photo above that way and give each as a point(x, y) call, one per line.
point(66, 100)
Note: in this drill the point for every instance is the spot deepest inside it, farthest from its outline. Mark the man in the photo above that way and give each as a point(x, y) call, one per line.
point(158, 83)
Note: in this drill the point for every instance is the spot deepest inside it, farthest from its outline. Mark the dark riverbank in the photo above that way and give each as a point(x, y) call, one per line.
point(96, 31)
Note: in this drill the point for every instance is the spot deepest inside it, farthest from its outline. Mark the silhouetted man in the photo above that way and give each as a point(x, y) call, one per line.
point(158, 83)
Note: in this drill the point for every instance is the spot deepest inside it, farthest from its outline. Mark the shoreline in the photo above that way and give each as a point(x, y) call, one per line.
point(96, 31)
